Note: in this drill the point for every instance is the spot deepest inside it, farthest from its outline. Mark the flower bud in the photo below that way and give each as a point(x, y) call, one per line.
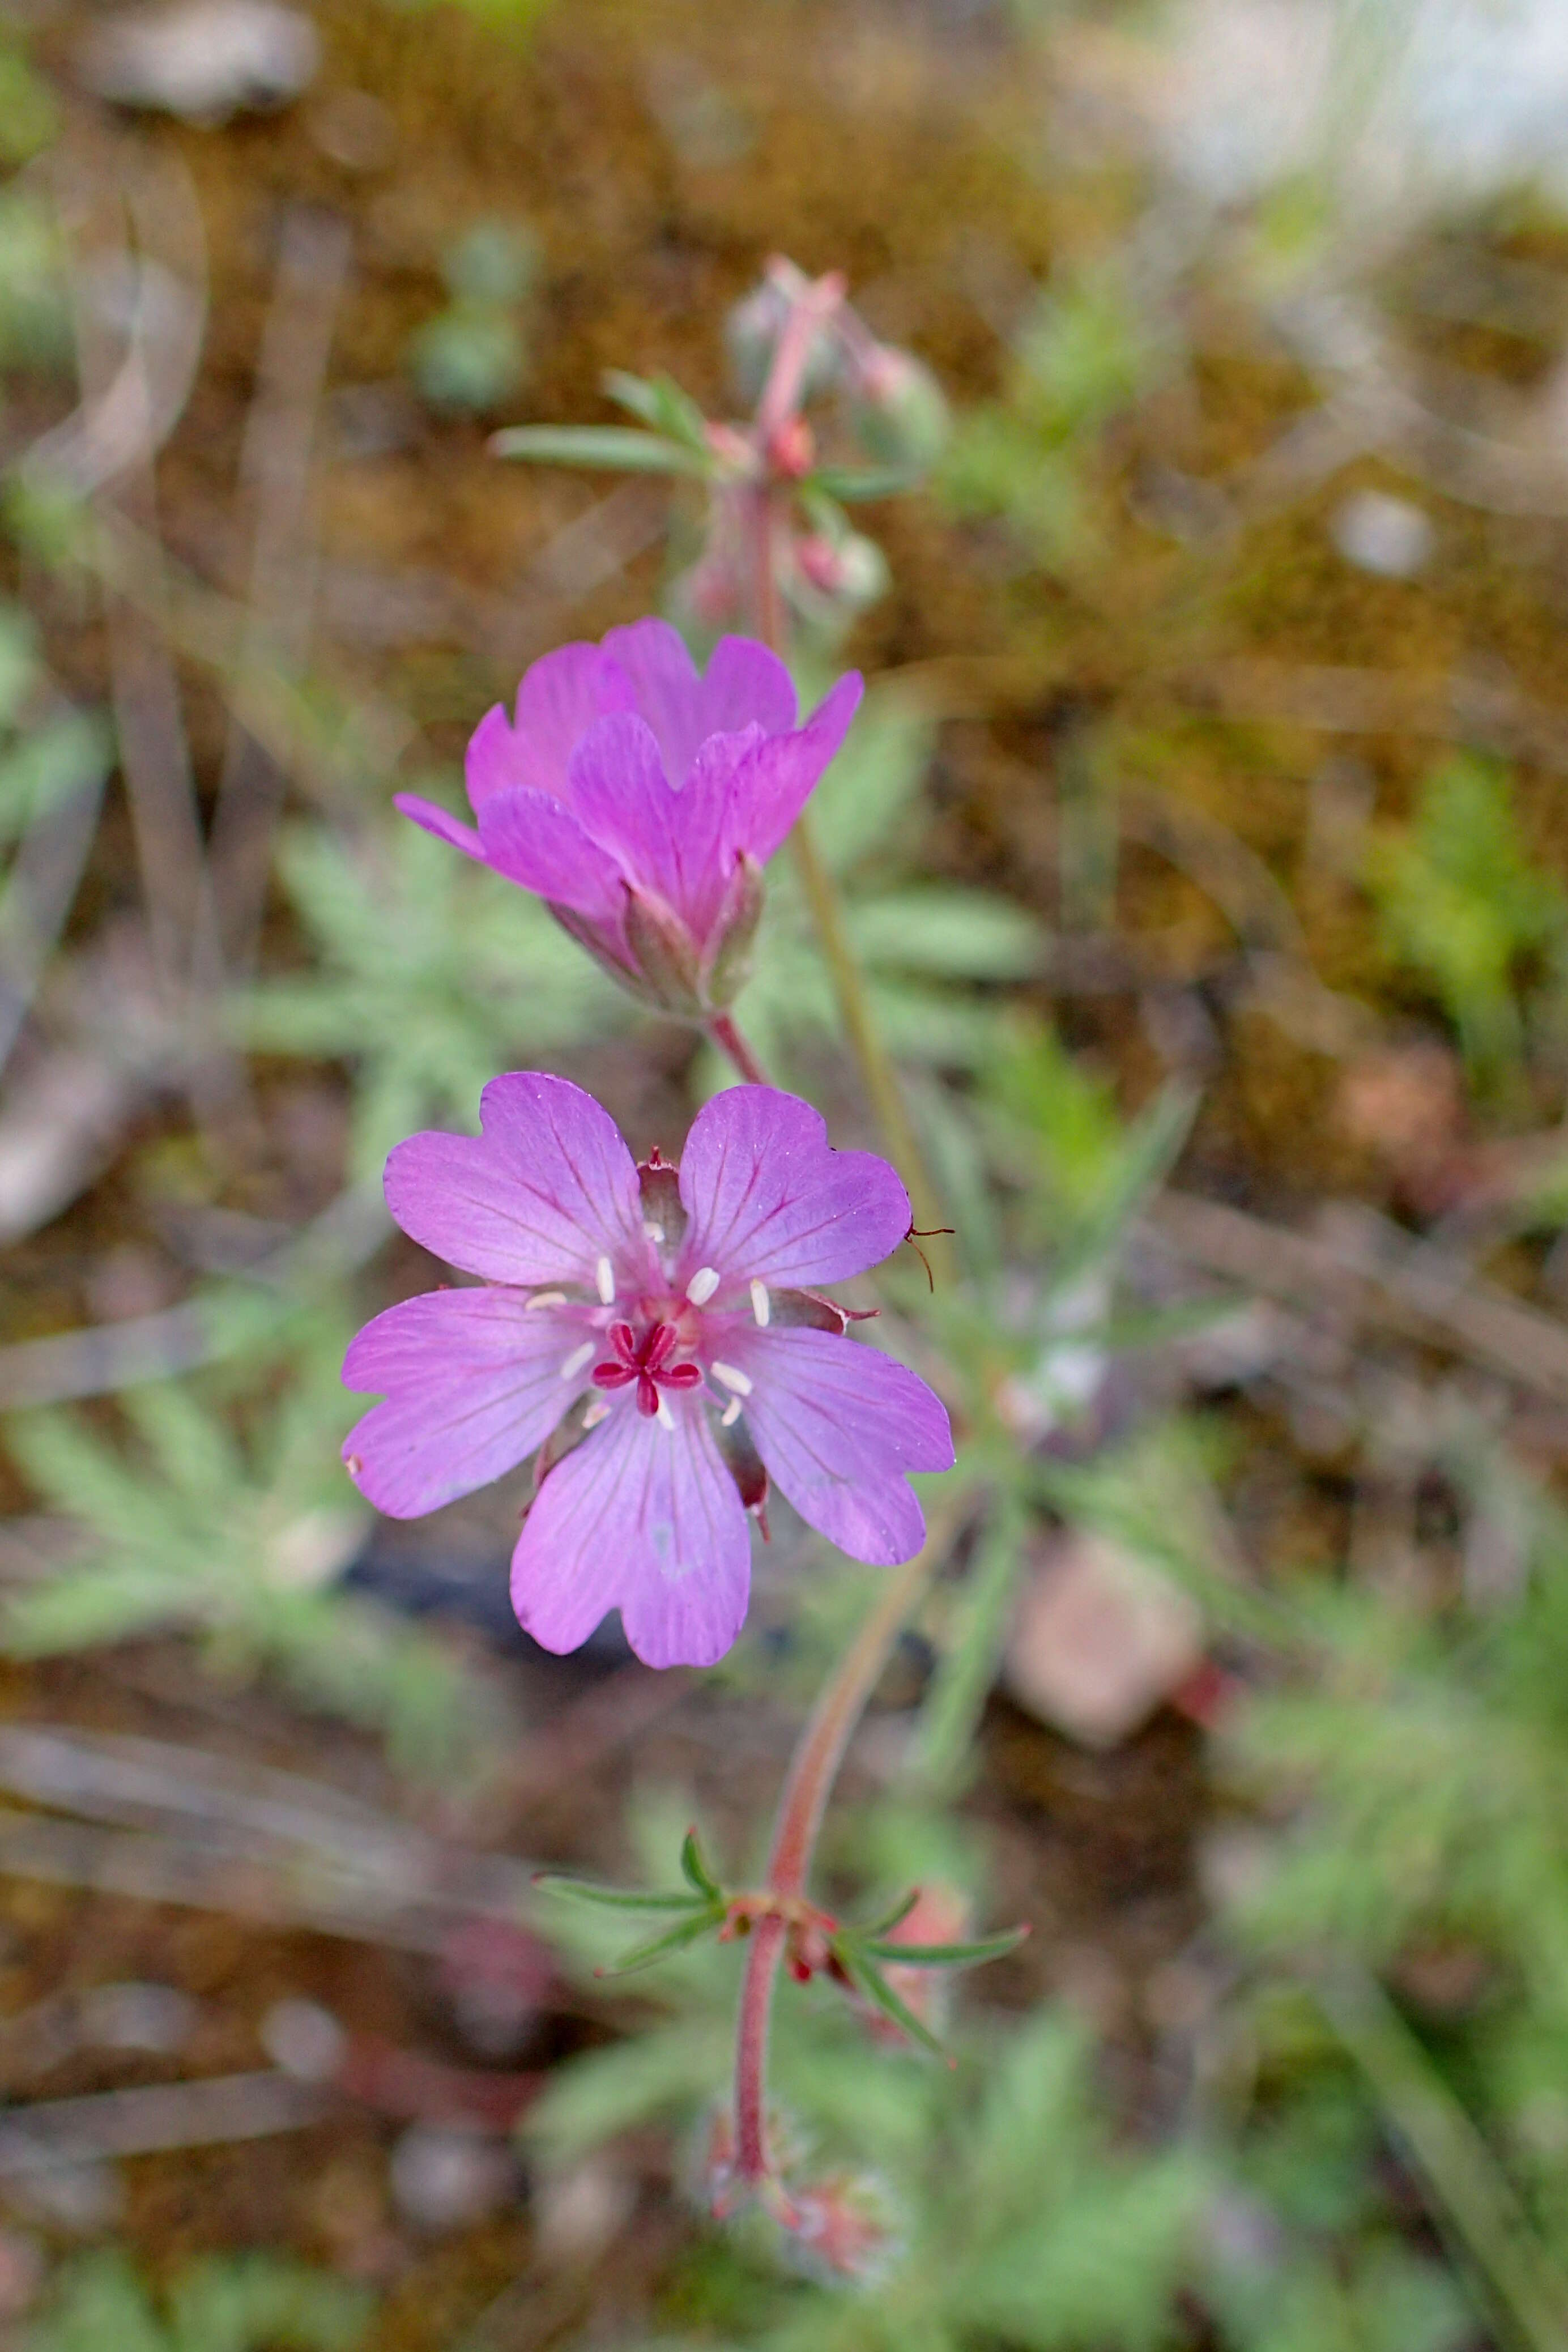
point(835, 578)
point(898, 409)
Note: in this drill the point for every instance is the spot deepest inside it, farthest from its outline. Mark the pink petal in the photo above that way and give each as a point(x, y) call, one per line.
point(665, 689)
point(782, 773)
point(546, 1191)
point(745, 685)
point(770, 1200)
point(472, 1380)
point(642, 1518)
point(535, 842)
point(837, 1424)
point(436, 821)
point(559, 699)
point(622, 800)
point(703, 823)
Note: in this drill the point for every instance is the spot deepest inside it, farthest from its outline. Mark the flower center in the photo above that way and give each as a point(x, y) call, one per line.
point(647, 1362)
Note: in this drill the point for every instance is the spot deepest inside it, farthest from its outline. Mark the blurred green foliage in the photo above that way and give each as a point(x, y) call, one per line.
point(242, 2303)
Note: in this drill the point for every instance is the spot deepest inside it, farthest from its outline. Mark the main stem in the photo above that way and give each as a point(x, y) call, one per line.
point(812, 1770)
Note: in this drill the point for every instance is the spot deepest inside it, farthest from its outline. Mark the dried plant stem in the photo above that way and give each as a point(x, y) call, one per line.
point(725, 1033)
point(813, 1767)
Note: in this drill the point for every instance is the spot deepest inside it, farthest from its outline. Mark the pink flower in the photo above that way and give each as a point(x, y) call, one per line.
point(673, 1315)
point(642, 800)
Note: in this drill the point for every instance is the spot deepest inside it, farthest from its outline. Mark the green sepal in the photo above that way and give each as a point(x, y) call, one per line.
point(674, 1939)
point(876, 1988)
point(947, 1955)
point(613, 446)
point(696, 1872)
point(617, 1898)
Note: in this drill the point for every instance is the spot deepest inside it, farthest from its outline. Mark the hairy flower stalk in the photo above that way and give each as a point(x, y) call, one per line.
point(658, 1337)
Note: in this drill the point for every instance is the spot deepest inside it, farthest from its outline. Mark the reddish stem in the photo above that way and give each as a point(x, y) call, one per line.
point(812, 1770)
point(727, 1037)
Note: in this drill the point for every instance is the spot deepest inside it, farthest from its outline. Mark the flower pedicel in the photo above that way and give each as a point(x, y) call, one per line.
point(670, 1319)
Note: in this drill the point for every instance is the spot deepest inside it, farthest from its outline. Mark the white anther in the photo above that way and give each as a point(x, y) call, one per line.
point(731, 1414)
point(666, 1418)
point(732, 1379)
point(598, 1411)
point(604, 1279)
point(760, 1308)
point(578, 1359)
point(545, 1298)
point(655, 1233)
point(702, 1285)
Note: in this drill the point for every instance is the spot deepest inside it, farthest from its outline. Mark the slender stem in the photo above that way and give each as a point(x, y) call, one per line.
point(818, 1754)
point(878, 1075)
point(726, 1034)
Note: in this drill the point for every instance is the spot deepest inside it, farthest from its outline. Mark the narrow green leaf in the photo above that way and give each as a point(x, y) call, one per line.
point(696, 1871)
point(876, 1989)
point(674, 1939)
point(890, 1918)
point(615, 1898)
point(662, 406)
point(946, 1956)
point(855, 483)
point(615, 446)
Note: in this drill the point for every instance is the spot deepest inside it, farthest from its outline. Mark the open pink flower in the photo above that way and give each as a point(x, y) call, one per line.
point(642, 799)
point(673, 1315)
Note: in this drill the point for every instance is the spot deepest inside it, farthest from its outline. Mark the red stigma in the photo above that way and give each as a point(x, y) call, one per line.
point(649, 1365)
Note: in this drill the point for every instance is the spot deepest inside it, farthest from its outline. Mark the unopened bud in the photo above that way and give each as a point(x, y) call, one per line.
point(899, 412)
point(840, 574)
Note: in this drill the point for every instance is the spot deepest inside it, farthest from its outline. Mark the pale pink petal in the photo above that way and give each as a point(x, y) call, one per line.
point(536, 842)
point(472, 1380)
point(745, 685)
point(770, 1200)
point(667, 692)
point(437, 821)
point(645, 1520)
point(621, 798)
point(837, 1424)
point(546, 1191)
point(782, 774)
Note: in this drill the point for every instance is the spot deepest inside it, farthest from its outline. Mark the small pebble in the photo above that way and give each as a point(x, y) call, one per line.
point(1388, 536)
point(443, 2178)
point(304, 2038)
